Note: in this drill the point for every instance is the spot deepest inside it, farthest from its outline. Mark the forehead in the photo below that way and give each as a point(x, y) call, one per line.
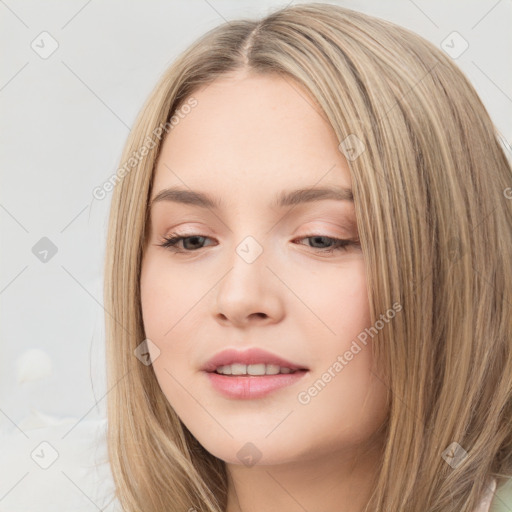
point(251, 136)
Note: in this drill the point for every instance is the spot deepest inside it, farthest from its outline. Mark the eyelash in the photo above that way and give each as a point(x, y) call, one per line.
point(341, 244)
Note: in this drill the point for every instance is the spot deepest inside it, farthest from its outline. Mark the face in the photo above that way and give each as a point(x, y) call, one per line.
point(249, 273)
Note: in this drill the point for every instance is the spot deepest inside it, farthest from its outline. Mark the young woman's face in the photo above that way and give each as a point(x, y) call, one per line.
point(256, 274)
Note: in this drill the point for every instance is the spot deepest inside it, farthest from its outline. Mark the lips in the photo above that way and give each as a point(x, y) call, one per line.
point(249, 356)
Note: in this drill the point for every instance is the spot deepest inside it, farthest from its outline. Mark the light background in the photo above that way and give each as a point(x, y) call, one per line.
point(64, 120)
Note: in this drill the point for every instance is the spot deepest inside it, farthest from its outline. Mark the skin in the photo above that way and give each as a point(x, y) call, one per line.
point(249, 138)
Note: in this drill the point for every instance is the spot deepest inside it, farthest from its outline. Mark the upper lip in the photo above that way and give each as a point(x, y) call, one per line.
point(249, 356)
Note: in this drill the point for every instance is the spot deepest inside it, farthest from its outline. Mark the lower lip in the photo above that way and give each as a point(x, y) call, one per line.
point(252, 386)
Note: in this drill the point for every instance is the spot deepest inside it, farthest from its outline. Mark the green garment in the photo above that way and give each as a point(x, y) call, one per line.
point(502, 501)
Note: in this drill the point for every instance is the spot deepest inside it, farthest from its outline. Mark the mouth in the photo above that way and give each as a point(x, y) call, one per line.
point(251, 373)
point(255, 370)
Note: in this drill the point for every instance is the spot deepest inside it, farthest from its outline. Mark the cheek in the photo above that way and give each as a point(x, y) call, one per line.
point(171, 305)
point(339, 298)
point(344, 372)
point(167, 295)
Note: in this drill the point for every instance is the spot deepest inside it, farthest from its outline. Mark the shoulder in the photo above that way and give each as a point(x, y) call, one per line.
point(502, 499)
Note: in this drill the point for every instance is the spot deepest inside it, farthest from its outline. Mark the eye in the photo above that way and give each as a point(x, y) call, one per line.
point(337, 244)
point(172, 241)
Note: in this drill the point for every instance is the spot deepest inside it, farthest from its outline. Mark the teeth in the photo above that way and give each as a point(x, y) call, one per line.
point(238, 369)
point(252, 369)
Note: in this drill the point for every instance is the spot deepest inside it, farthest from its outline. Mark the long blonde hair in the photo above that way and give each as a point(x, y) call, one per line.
point(432, 200)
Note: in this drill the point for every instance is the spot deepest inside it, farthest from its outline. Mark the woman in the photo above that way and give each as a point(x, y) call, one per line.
point(261, 371)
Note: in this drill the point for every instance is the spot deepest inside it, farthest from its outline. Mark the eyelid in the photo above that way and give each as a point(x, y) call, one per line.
point(343, 222)
point(342, 229)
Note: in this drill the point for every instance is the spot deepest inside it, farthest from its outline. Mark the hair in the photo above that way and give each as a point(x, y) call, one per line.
point(434, 224)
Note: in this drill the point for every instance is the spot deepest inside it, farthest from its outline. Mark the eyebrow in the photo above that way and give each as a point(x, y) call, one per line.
point(285, 198)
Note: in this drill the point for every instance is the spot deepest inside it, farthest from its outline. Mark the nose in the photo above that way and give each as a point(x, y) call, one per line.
point(249, 293)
